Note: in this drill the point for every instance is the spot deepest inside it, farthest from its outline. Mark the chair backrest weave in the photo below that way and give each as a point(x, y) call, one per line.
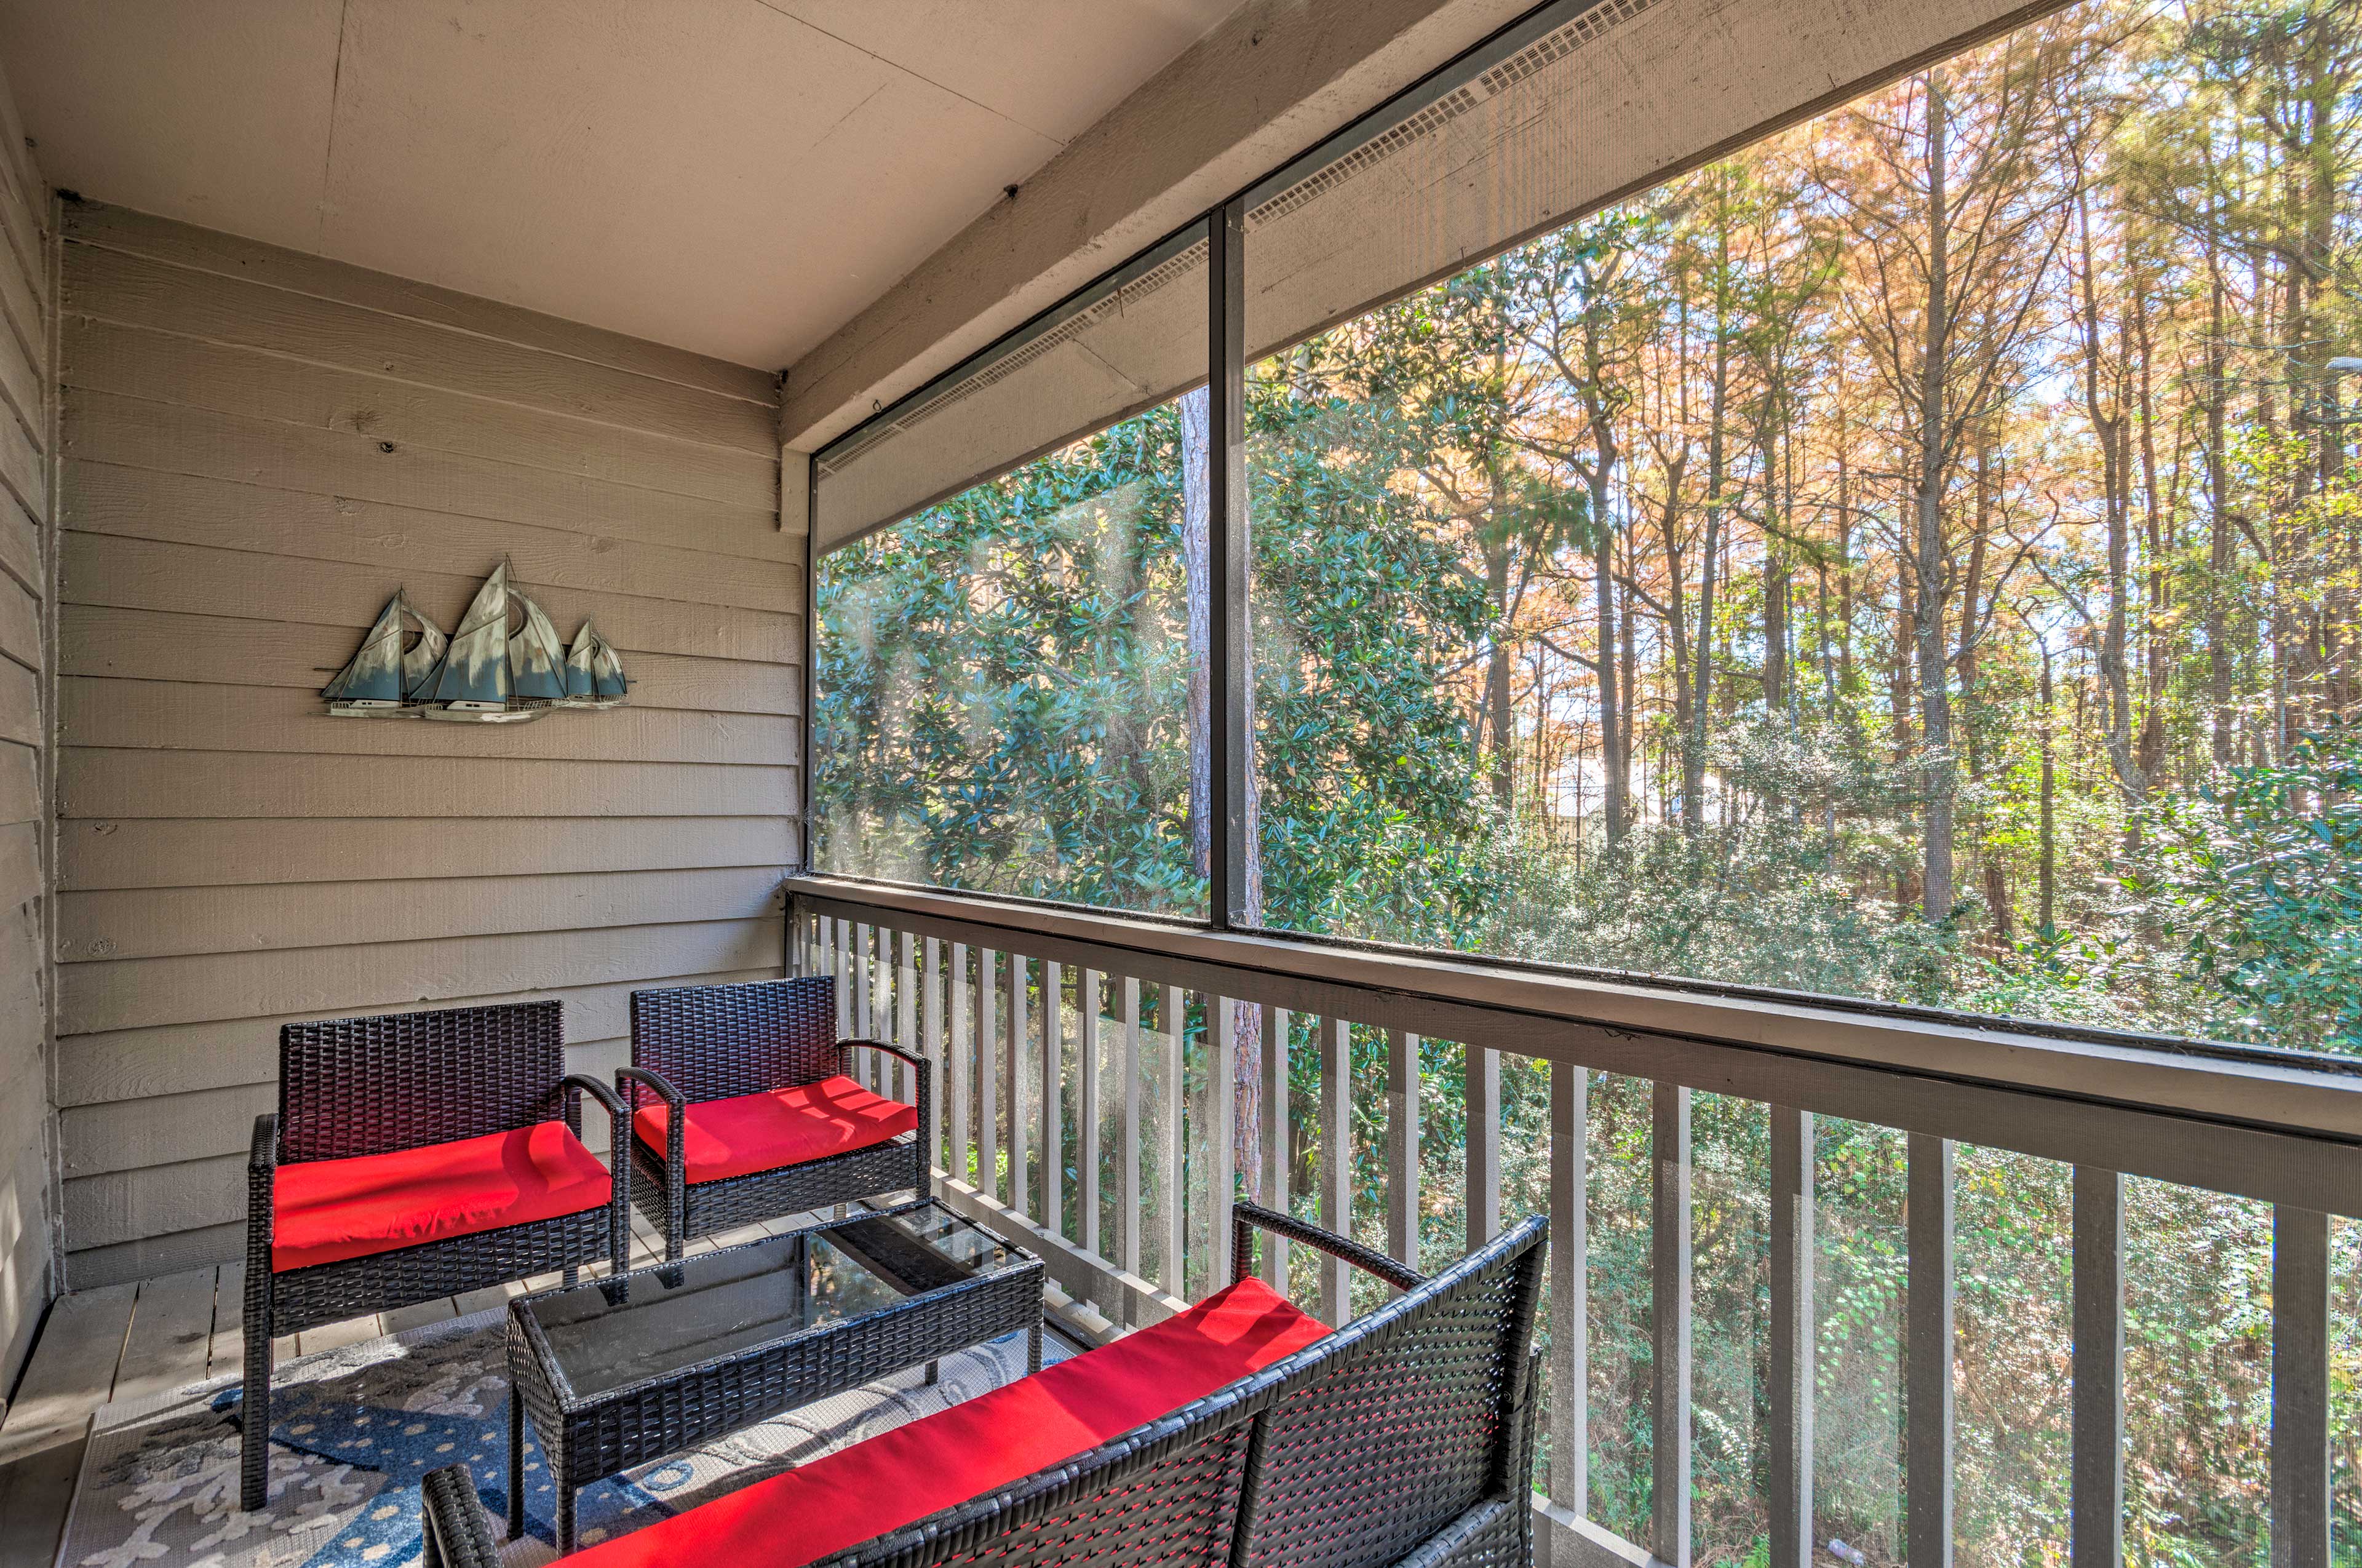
point(1373, 1441)
point(367, 1086)
point(716, 1041)
point(1399, 1435)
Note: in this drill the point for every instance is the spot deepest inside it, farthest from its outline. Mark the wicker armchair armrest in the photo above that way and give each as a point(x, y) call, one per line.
point(456, 1535)
point(920, 1063)
point(618, 1113)
point(619, 1154)
point(923, 1073)
point(264, 1154)
point(654, 1080)
point(1248, 1218)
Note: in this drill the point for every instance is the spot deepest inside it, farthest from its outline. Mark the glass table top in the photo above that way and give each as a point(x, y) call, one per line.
point(606, 1334)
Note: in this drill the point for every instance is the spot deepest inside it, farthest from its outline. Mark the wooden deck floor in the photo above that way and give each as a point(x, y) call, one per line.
point(122, 1341)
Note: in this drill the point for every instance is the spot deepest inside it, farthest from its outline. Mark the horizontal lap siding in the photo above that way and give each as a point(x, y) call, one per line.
point(28, 1136)
point(262, 446)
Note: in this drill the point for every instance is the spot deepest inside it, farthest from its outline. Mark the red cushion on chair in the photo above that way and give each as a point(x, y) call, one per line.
point(774, 1130)
point(901, 1475)
point(327, 1211)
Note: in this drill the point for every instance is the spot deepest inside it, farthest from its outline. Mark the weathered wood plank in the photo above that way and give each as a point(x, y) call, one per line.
point(1484, 1163)
point(177, 715)
point(20, 705)
point(25, 200)
point(1173, 1148)
point(165, 367)
point(2097, 1450)
point(1668, 1288)
point(20, 624)
point(21, 548)
point(140, 992)
point(1793, 1330)
point(169, 853)
point(988, 1073)
point(271, 520)
point(143, 644)
point(1218, 1139)
point(23, 470)
point(1336, 1163)
point(149, 922)
point(21, 863)
point(169, 438)
point(104, 570)
point(418, 1315)
point(1271, 1177)
point(185, 245)
point(1927, 1355)
point(2301, 1451)
point(1051, 1188)
point(1128, 1217)
point(123, 1206)
point(142, 1257)
point(71, 1372)
point(337, 1336)
point(1402, 1145)
point(23, 387)
point(932, 1047)
point(204, 1124)
point(173, 1059)
point(227, 1352)
point(94, 783)
point(171, 1335)
point(1013, 1039)
point(1089, 993)
point(1570, 1246)
point(21, 784)
point(960, 1067)
point(139, 291)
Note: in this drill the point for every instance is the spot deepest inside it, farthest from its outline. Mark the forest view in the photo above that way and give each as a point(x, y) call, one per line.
point(1917, 558)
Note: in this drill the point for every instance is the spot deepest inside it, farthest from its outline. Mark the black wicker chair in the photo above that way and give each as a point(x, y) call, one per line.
point(697, 1045)
point(356, 1095)
point(1406, 1436)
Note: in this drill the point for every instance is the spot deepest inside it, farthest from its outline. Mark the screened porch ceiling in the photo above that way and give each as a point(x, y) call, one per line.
point(735, 177)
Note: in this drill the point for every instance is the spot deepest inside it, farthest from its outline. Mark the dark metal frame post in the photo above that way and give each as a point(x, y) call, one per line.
point(1226, 649)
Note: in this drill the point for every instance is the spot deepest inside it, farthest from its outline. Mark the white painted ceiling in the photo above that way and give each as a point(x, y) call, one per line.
point(736, 177)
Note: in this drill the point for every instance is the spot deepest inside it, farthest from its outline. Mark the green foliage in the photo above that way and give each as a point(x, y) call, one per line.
point(2258, 876)
point(1003, 685)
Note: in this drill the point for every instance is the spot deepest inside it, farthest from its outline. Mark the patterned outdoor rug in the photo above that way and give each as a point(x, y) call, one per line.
point(356, 1428)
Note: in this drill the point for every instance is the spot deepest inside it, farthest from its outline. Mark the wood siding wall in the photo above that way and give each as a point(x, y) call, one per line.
point(261, 447)
point(27, 1144)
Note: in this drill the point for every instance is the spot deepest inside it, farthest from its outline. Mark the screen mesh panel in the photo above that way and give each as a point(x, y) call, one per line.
point(1575, 106)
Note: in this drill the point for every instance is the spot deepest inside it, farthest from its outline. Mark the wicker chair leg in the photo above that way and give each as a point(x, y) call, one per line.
point(516, 1463)
point(254, 1437)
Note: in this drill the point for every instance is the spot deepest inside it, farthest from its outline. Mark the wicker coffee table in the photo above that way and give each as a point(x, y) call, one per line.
point(616, 1373)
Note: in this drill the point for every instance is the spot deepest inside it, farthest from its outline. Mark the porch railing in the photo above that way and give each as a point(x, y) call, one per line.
point(1060, 1040)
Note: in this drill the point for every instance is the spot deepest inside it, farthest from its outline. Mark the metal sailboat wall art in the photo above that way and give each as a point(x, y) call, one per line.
point(389, 667)
point(485, 673)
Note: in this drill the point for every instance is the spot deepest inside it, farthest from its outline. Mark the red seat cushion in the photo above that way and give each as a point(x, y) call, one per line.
point(327, 1211)
point(774, 1130)
point(901, 1475)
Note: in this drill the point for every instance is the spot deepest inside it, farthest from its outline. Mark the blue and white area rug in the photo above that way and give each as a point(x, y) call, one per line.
point(354, 1429)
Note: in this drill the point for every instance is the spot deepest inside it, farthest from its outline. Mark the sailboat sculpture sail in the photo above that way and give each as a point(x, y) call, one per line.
point(488, 676)
point(484, 673)
point(384, 672)
point(594, 676)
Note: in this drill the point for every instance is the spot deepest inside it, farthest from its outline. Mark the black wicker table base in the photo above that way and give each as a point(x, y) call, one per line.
point(618, 1371)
